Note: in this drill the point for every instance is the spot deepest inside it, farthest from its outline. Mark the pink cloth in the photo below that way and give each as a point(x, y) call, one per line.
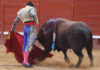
point(26, 55)
point(14, 44)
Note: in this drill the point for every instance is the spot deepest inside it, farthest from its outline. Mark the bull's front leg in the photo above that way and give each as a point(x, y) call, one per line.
point(45, 52)
point(65, 56)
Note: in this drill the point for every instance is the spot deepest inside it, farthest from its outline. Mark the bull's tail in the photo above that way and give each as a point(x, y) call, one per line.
point(89, 48)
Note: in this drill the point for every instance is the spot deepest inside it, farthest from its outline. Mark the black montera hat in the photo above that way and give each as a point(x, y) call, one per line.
point(30, 3)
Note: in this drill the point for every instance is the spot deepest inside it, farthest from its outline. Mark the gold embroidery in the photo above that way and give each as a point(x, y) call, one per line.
point(8, 37)
point(25, 15)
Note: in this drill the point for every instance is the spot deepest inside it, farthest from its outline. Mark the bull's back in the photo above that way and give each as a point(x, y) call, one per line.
point(75, 31)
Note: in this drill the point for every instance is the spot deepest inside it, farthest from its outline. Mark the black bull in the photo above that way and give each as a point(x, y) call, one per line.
point(69, 34)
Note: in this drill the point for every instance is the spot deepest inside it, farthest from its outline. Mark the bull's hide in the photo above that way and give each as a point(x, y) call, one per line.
point(69, 34)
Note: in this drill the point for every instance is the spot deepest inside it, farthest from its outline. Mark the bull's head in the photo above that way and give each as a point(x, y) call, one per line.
point(45, 34)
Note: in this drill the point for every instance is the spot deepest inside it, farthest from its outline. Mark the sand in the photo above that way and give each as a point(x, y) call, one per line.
point(57, 62)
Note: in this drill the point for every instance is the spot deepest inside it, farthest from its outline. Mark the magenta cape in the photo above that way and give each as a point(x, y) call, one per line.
point(14, 44)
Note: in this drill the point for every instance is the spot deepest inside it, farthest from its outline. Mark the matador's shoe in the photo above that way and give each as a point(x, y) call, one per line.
point(28, 66)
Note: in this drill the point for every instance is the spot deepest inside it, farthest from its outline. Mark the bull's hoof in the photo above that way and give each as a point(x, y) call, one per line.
point(76, 66)
point(68, 61)
point(91, 65)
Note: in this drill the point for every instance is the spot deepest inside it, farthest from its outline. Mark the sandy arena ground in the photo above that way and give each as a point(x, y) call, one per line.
point(8, 62)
